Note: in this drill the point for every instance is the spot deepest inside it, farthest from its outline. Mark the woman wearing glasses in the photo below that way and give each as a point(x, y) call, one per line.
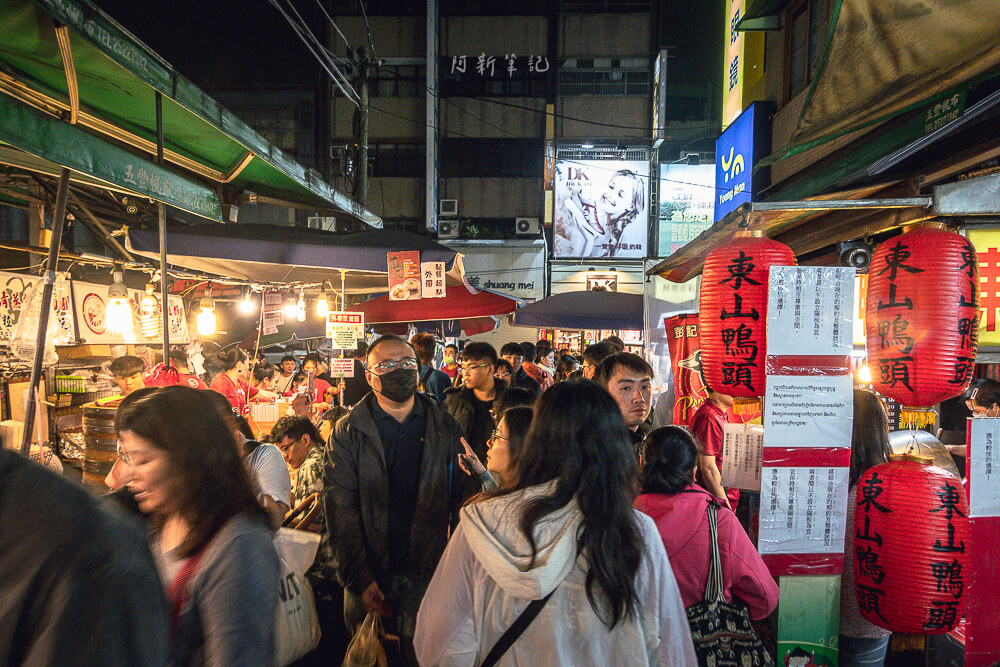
point(504, 448)
point(210, 539)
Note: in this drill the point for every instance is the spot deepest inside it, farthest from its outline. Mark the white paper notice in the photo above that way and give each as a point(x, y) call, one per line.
point(808, 411)
point(984, 468)
point(344, 339)
point(432, 280)
point(803, 510)
point(742, 455)
point(342, 368)
point(810, 310)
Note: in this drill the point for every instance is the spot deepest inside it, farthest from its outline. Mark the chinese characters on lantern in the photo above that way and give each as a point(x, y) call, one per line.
point(947, 572)
point(868, 546)
point(893, 320)
point(741, 324)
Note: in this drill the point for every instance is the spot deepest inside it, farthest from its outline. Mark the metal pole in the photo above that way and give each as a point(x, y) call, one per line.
point(431, 107)
point(58, 221)
point(161, 213)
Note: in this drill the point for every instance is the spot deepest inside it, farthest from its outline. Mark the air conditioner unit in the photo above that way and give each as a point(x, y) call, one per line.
point(526, 227)
point(448, 207)
point(448, 229)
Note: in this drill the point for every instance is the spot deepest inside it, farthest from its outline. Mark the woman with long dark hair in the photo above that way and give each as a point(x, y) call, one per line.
point(232, 381)
point(564, 535)
point(503, 450)
point(679, 507)
point(210, 539)
point(862, 643)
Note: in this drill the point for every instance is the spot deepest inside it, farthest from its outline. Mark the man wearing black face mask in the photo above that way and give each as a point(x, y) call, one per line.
point(392, 488)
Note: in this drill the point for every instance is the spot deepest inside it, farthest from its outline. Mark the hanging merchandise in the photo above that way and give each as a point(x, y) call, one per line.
point(733, 312)
point(911, 531)
point(24, 337)
point(923, 311)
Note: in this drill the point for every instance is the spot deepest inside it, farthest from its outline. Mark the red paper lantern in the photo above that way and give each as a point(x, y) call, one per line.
point(922, 316)
point(733, 313)
point(911, 536)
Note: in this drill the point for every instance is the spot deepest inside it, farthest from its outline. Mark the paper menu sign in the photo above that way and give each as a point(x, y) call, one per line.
point(342, 368)
point(742, 456)
point(810, 310)
point(404, 275)
point(984, 468)
point(345, 321)
point(432, 280)
point(803, 510)
point(808, 411)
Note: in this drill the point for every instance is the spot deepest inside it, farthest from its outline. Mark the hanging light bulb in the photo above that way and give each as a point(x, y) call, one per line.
point(206, 318)
point(291, 309)
point(323, 305)
point(864, 374)
point(247, 305)
point(118, 314)
point(300, 308)
point(149, 313)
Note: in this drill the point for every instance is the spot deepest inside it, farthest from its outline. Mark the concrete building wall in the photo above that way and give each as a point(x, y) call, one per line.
point(394, 36)
point(494, 36)
point(389, 119)
point(605, 34)
point(396, 197)
point(468, 117)
point(495, 197)
point(618, 115)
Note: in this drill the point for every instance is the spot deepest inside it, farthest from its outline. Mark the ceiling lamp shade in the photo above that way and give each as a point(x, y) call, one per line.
point(733, 313)
point(922, 326)
point(911, 533)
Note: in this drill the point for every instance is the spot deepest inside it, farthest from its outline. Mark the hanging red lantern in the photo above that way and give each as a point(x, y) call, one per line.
point(911, 535)
point(922, 322)
point(733, 312)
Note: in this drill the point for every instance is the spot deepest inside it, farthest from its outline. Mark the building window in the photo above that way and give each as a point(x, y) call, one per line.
point(605, 77)
point(808, 24)
point(503, 75)
point(400, 81)
point(483, 158)
point(397, 160)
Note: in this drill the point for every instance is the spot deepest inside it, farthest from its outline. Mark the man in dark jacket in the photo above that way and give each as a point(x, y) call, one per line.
point(392, 487)
point(472, 405)
point(519, 379)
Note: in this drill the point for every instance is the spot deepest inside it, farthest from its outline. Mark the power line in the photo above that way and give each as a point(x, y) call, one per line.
point(368, 28)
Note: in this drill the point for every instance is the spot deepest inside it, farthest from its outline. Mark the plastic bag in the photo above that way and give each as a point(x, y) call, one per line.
point(296, 624)
point(365, 649)
point(297, 548)
point(23, 338)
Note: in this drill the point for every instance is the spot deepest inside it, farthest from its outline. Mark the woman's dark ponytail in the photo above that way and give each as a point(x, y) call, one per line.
point(670, 455)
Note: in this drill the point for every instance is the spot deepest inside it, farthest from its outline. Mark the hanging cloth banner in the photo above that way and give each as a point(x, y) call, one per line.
point(685, 363)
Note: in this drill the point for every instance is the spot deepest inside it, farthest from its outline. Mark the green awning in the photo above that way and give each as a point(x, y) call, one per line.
point(762, 15)
point(52, 141)
point(117, 77)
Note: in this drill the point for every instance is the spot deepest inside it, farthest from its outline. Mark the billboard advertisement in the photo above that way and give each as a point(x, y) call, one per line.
point(601, 208)
point(737, 150)
point(687, 198)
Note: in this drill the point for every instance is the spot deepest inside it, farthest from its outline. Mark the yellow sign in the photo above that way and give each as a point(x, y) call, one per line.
point(743, 65)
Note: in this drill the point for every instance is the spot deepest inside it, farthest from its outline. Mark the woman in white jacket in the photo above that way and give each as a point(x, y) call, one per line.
point(566, 528)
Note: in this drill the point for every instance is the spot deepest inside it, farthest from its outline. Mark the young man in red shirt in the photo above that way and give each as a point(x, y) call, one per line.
point(707, 425)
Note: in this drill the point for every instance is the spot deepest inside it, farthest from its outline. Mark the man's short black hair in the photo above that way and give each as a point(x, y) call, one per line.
point(616, 342)
point(452, 346)
point(385, 339)
point(528, 350)
point(127, 366)
point(596, 353)
point(287, 357)
point(295, 427)
point(479, 351)
point(514, 349)
point(178, 357)
point(627, 360)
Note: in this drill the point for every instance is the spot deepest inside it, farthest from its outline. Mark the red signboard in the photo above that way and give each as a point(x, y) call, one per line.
point(685, 361)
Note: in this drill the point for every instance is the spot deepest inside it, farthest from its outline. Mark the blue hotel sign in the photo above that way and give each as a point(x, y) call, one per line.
point(746, 140)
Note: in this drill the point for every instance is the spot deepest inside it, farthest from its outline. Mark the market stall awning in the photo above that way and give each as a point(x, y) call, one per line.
point(71, 61)
point(807, 225)
point(459, 303)
point(583, 310)
point(275, 255)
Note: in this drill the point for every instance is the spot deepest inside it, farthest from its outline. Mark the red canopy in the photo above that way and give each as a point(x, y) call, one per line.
point(458, 304)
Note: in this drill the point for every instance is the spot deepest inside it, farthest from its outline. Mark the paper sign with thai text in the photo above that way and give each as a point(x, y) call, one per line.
point(803, 510)
point(432, 280)
point(742, 456)
point(404, 275)
point(810, 310)
point(808, 411)
point(342, 368)
point(984, 468)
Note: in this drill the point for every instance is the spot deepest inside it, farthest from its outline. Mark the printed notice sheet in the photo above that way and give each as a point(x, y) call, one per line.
point(984, 468)
point(803, 510)
point(808, 411)
point(810, 310)
point(742, 456)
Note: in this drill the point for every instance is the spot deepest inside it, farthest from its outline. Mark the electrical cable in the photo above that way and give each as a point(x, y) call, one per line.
point(368, 28)
point(319, 48)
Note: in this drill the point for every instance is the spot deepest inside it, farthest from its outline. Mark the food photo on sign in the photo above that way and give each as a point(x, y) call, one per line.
point(601, 208)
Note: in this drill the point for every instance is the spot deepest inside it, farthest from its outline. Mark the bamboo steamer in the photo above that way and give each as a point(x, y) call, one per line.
point(100, 443)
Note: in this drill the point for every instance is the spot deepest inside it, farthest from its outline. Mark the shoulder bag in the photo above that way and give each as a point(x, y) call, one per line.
point(512, 633)
point(721, 631)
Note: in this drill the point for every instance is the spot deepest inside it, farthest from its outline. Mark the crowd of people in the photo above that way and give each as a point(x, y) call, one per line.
point(454, 502)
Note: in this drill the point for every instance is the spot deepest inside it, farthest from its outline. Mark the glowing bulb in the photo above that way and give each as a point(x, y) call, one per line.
point(865, 374)
point(323, 305)
point(206, 318)
point(300, 308)
point(247, 305)
point(290, 309)
point(118, 314)
point(149, 313)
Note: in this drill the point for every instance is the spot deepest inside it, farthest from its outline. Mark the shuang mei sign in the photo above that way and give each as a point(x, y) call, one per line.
point(745, 141)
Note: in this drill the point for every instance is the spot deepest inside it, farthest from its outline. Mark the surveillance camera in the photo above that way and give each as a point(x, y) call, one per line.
point(857, 255)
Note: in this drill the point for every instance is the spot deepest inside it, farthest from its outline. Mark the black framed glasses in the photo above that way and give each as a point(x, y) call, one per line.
point(409, 364)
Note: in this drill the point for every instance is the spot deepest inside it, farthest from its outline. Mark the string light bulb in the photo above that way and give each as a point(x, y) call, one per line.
point(290, 308)
point(149, 313)
point(206, 318)
point(864, 374)
point(118, 314)
point(247, 306)
point(323, 305)
point(300, 308)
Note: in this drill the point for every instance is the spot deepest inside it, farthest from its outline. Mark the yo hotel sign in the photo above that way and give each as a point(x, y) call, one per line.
point(745, 141)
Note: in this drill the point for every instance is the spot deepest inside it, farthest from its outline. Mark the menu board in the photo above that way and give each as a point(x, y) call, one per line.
point(810, 310)
point(404, 275)
point(804, 510)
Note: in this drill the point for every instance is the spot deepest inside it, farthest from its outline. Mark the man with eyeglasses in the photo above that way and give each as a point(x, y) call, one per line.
point(514, 355)
point(471, 405)
point(392, 488)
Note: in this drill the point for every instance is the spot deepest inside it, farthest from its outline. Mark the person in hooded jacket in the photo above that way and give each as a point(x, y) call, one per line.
point(563, 533)
point(679, 508)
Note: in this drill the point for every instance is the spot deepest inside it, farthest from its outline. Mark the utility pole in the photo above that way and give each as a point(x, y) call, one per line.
point(366, 69)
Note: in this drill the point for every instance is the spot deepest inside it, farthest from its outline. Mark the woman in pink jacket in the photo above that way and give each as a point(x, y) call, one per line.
point(678, 507)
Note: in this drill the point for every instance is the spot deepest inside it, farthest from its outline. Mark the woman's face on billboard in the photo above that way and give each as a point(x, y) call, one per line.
point(617, 198)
